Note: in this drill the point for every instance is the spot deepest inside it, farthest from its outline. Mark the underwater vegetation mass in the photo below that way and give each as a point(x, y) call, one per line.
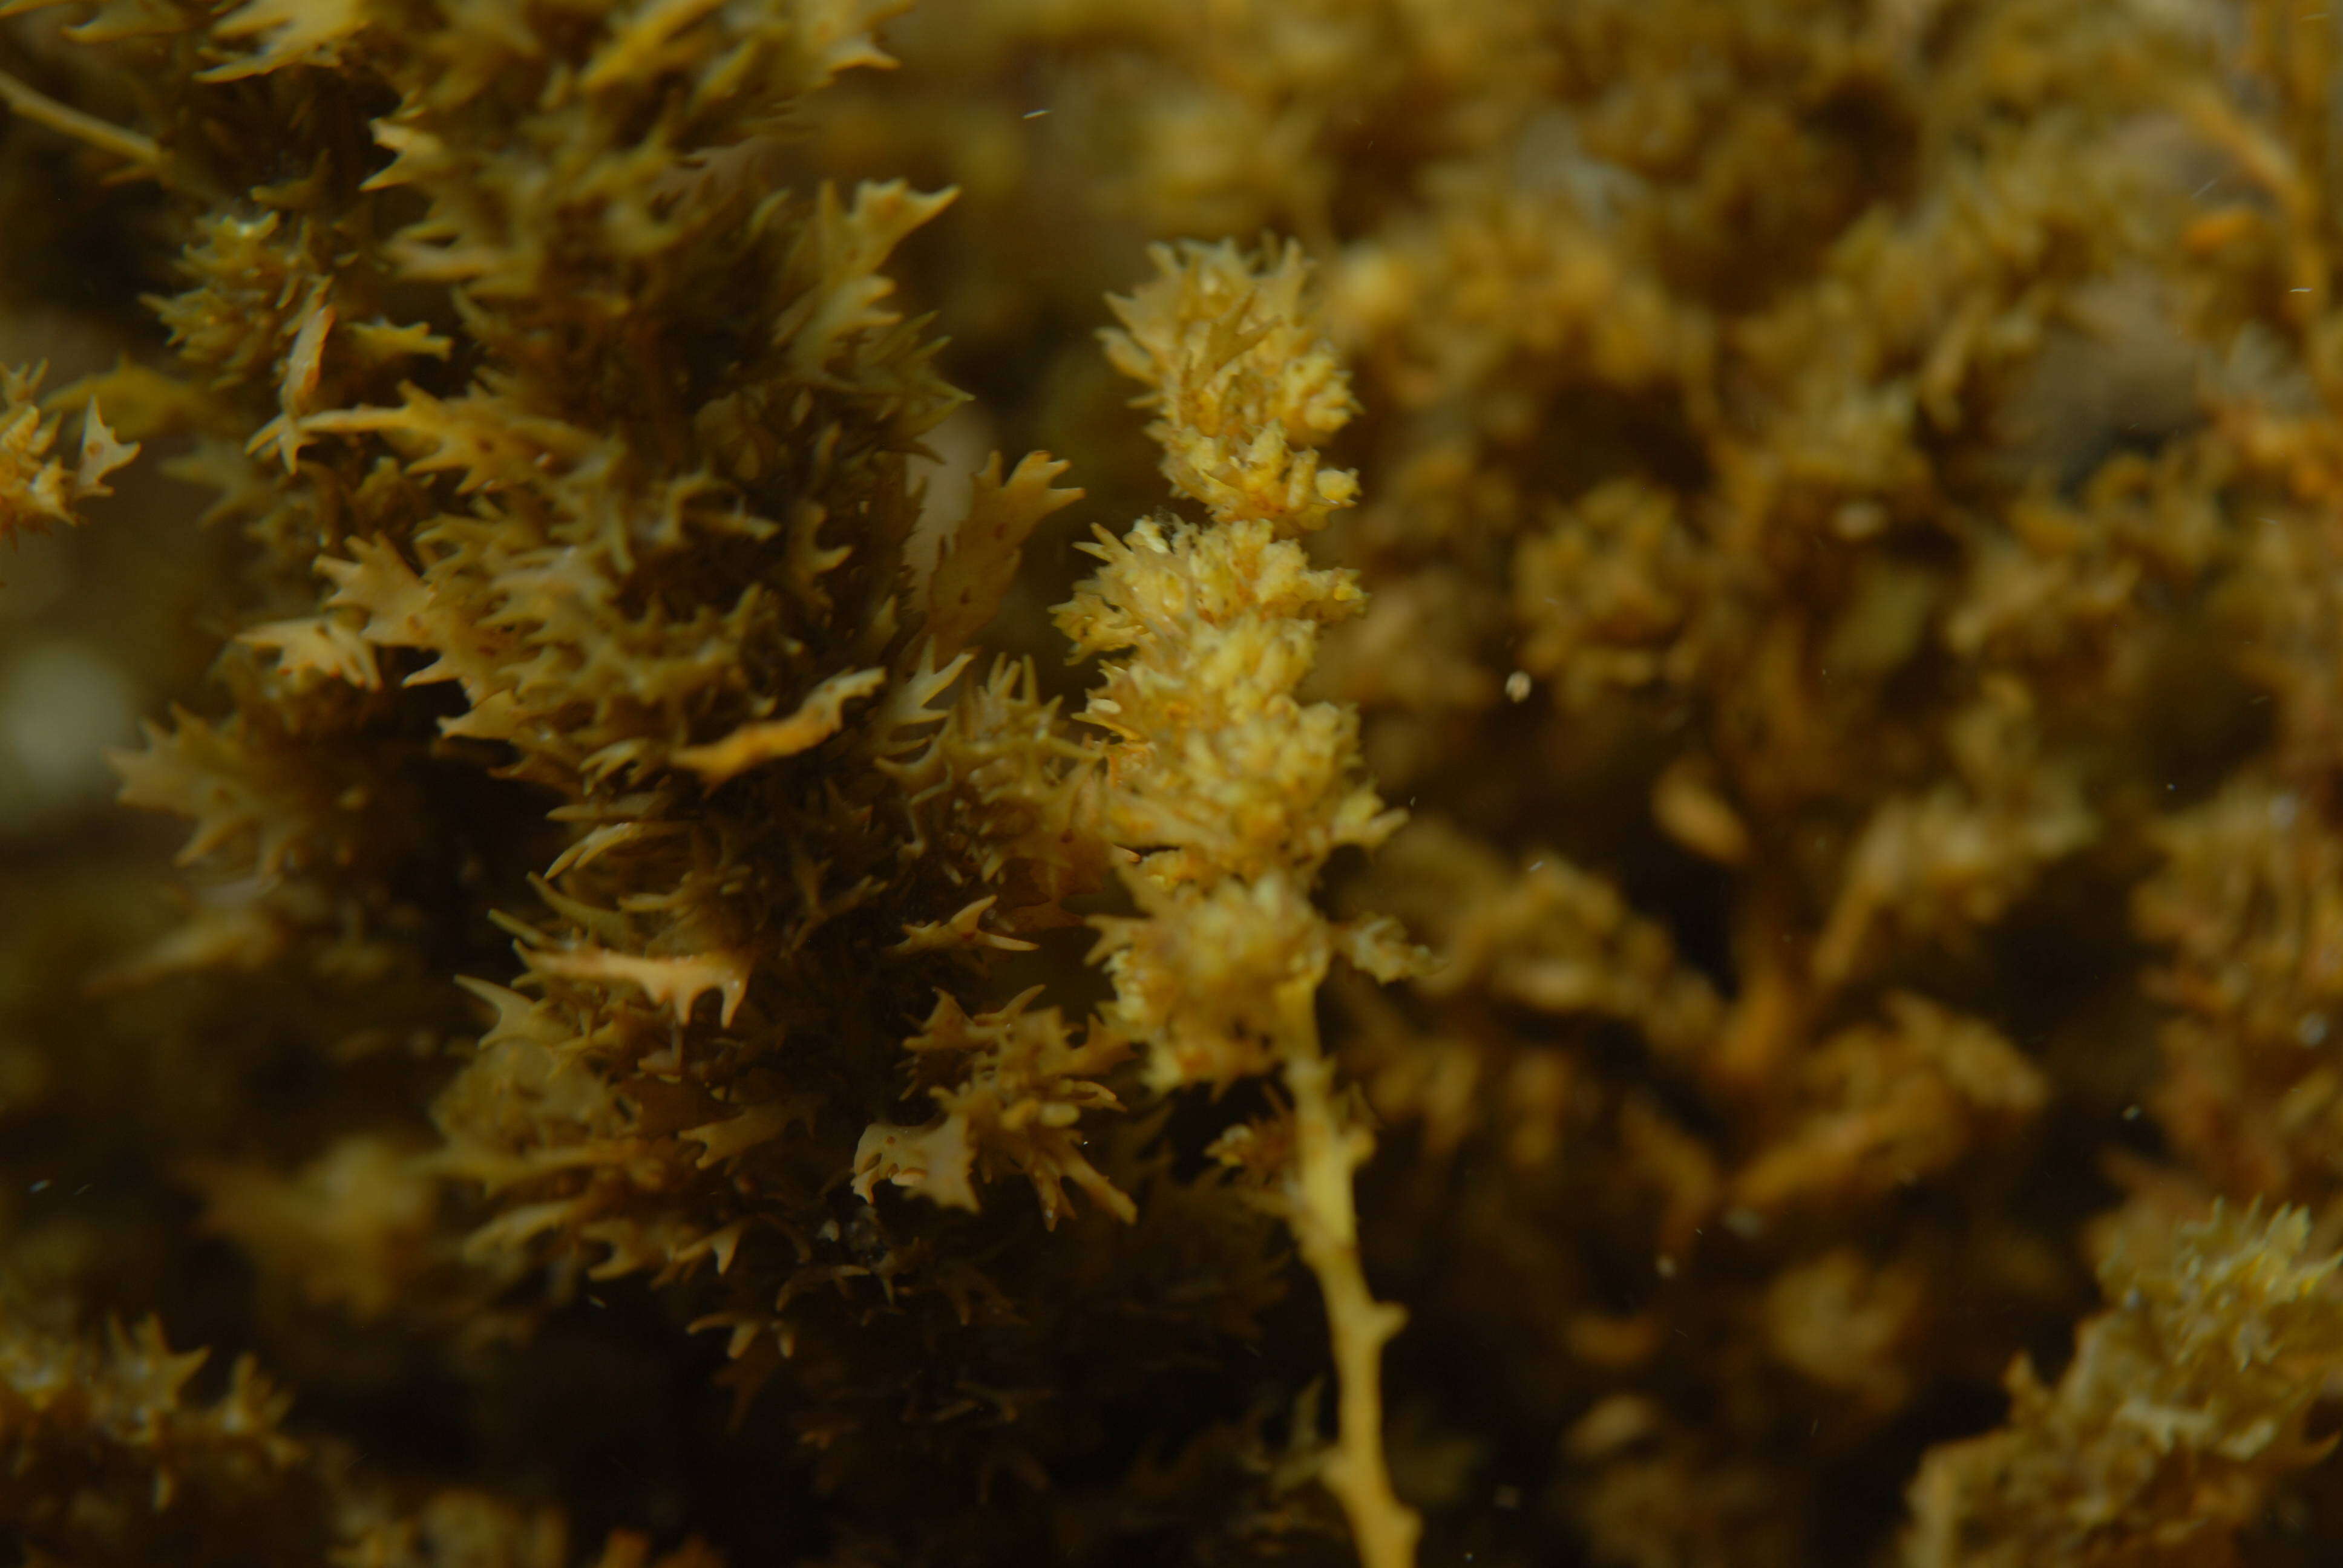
point(1180, 782)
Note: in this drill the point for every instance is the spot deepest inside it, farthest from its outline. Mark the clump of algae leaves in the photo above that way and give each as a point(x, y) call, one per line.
point(1170, 781)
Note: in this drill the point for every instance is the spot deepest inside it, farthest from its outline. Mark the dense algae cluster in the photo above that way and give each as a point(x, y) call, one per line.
point(1681, 907)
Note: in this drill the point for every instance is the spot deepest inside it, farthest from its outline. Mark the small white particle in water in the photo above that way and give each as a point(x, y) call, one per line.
point(1517, 686)
point(2312, 1030)
point(40, 1186)
point(1666, 1266)
point(1536, 864)
point(2282, 809)
point(1035, 113)
point(2131, 1114)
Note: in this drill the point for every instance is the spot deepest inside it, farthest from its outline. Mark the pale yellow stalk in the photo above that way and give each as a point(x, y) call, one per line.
point(1230, 790)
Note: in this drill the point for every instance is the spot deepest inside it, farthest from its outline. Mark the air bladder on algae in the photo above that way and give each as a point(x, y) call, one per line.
point(1714, 786)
